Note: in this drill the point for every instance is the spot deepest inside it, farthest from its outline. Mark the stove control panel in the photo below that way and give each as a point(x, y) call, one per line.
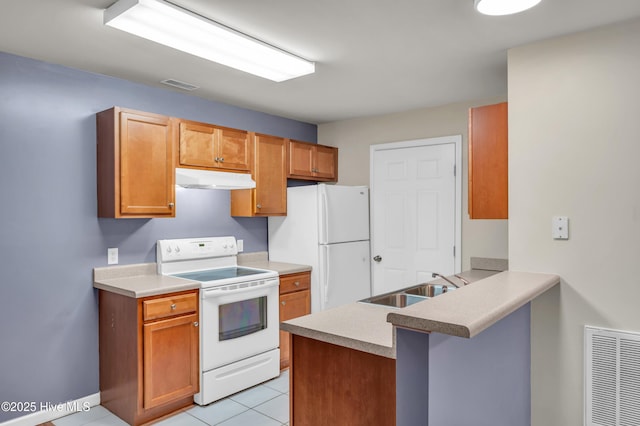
point(195, 248)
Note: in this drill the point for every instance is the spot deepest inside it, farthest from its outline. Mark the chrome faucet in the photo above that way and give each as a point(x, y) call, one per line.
point(436, 275)
point(463, 279)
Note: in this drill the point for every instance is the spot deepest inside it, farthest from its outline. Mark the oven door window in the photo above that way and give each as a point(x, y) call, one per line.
point(241, 318)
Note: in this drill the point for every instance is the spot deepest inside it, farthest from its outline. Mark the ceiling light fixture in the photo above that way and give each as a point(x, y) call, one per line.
point(181, 29)
point(503, 7)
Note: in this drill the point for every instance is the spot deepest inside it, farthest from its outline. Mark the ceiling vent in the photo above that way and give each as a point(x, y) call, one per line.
point(612, 369)
point(179, 84)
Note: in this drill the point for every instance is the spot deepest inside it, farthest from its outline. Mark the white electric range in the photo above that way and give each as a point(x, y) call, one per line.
point(239, 316)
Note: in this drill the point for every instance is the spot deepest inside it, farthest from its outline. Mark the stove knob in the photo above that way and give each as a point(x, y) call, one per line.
point(224, 246)
point(177, 249)
point(168, 249)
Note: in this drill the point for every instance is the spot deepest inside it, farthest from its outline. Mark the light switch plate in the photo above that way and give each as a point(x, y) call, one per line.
point(112, 256)
point(560, 228)
point(240, 244)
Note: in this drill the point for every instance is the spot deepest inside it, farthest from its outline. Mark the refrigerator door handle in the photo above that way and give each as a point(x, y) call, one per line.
point(324, 215)
point(325, 283)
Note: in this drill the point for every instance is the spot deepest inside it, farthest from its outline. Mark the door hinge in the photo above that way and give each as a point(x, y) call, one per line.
point(454, 251)
point(454, 170)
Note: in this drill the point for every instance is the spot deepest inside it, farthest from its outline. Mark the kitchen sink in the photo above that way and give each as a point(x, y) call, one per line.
point(395, 300)
point(429, 290)
point(408, 296)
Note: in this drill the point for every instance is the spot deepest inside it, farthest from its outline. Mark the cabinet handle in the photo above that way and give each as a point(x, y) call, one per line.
point(258, 206)
point(216, 159)
point(171, 205)
point(283, 303)
point(195, 323)
point(297, 284)
point(222, 159)
point(173, 306)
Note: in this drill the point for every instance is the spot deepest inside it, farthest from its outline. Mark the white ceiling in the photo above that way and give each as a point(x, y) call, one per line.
point(372, 56)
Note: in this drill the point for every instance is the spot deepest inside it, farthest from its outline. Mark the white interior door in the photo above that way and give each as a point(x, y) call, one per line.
point(415, 211)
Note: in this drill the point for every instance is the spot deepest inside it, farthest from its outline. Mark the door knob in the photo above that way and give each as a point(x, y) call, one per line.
point(377, 258)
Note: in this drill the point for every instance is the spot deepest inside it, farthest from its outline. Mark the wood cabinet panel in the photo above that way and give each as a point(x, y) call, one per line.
point(170, 359)
point(300, 159)
point(326, 162)
point(488, 162)
point(310, 161)
point(269, 197)
point(333, 385)
point(295, 301)
point(208, 146)
point(169, 306)
point(295, 282)
point(234, 149)
point(135, 164)
point(148, 369)
point(197, 144)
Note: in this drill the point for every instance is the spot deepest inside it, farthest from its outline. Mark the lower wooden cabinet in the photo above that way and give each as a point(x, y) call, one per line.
point(333, 385)
point(149, 354)
point(295, 301)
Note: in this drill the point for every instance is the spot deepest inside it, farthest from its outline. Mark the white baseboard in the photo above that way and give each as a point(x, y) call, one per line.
point(54, 411)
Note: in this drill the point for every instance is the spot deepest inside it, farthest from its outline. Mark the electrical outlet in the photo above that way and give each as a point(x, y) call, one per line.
point(240, 244)
point(112, 256)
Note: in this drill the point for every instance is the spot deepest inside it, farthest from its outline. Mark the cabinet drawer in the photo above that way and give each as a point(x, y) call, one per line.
point(169, 306)
point(295, 282)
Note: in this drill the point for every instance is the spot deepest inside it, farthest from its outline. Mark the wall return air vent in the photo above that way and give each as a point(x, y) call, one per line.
point(612, 382)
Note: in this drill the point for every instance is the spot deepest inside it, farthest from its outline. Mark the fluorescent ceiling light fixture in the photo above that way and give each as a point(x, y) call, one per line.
point(503, 7)
point(173, 26)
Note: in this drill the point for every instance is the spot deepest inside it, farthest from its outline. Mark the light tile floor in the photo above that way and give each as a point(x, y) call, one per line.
point(263, 405)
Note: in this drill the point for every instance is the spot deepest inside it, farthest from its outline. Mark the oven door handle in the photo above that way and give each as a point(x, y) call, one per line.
point(230, 290)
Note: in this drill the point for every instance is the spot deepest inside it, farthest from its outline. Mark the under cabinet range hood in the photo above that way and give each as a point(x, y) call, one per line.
point(209, 179)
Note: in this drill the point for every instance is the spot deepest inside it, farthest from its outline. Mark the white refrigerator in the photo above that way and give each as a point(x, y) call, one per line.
point(326, 227)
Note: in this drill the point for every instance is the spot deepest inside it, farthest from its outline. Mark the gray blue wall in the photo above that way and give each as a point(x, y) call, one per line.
point(50, 236)
point(451, 381)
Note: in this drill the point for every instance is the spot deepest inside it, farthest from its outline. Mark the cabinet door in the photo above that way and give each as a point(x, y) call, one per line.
point(270, 175)
point(269, 198)
point(292, 305)
point(146, 165)
point(197, 144)
point(326, 161)
point(170, 366)
point(300, 159)
point(233, 149)
point(488, 162)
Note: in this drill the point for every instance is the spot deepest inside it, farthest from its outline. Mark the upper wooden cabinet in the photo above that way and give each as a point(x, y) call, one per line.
point(269, 197)
point(310, 161)
point(488, 162)
point(135, 164)
point(205, 145)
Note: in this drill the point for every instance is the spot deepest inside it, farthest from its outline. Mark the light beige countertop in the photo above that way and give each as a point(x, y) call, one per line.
point(356, 326)
point(469, 310)
point(465, 312)
point(142, 280)
point(261, 260)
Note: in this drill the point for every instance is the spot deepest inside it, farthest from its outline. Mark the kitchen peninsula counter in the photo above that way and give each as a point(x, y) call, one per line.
point(490, 297)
